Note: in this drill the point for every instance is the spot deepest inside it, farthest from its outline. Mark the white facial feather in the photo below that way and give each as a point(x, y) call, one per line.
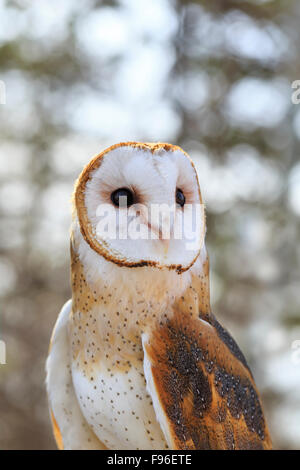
point(154, 177)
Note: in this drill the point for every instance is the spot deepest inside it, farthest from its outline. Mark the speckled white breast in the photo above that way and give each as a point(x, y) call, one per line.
point(119, 409)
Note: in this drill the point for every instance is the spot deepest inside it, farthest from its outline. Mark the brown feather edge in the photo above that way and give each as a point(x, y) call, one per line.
point(86, 226)
point(56, 432)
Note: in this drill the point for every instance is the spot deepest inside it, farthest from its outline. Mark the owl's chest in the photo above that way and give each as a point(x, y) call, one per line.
point(117, 406)
point(105, 331)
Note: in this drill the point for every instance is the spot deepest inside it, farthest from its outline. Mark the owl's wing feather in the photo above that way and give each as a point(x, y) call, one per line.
point(69, 426)
point(202, 389)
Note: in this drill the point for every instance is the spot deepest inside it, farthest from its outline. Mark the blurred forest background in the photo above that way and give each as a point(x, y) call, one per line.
point(212, 76)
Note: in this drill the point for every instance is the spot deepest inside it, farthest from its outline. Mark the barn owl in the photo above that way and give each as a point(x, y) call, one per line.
point(136, 359)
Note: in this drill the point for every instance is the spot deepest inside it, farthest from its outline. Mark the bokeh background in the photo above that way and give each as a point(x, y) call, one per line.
point(212, 76)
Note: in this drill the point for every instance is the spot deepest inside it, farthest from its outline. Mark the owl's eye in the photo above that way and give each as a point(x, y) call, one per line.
point(180, 198)
point(122, 193)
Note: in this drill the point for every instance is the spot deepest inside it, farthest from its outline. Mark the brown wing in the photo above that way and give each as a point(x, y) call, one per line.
point(202, 389)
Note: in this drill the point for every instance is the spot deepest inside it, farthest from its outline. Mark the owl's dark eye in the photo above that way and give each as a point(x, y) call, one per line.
point(180, 198)
point(122, 193)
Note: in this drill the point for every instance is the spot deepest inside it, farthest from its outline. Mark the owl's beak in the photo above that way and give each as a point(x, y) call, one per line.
point(158, 231)
point(164, 242)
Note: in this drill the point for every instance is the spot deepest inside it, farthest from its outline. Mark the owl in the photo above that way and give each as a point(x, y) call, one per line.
point(137, 360)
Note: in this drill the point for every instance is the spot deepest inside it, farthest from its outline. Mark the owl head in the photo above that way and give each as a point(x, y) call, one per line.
point(139, 204)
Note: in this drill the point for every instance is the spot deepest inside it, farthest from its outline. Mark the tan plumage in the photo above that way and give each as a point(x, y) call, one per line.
point(137, 360)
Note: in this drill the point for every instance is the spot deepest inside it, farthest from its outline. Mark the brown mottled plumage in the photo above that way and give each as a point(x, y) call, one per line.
point(205, 387)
